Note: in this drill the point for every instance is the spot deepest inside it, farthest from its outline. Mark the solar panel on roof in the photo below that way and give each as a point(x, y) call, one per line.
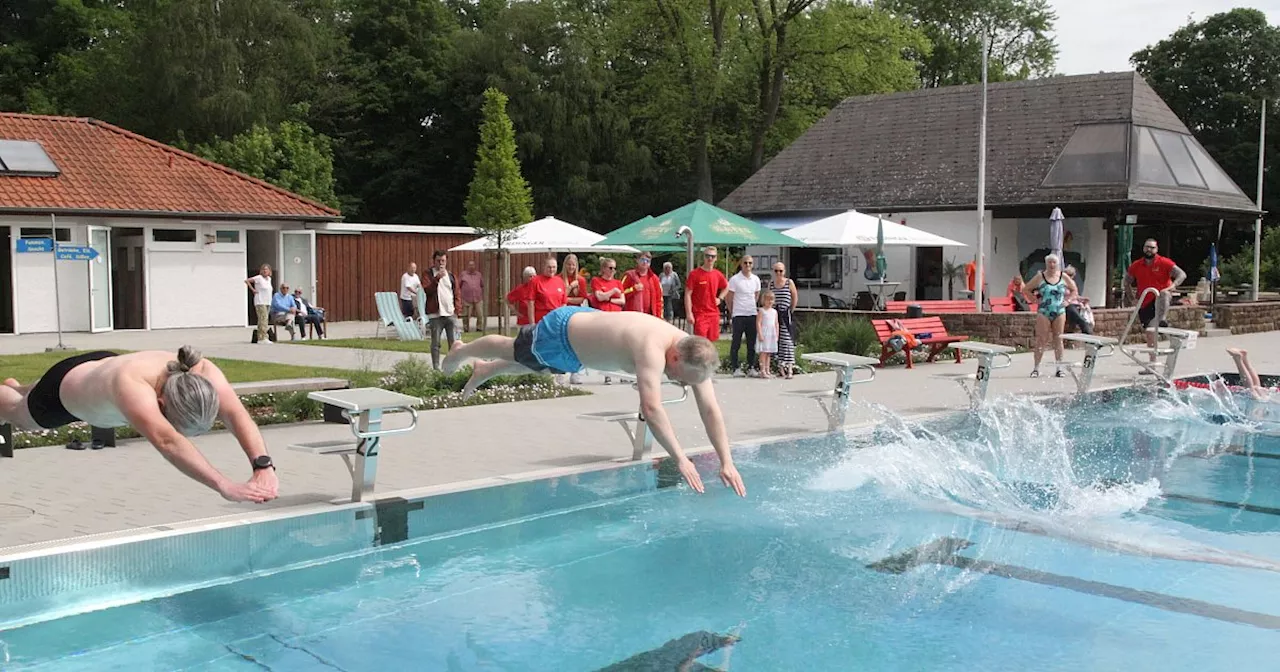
point(26, 157)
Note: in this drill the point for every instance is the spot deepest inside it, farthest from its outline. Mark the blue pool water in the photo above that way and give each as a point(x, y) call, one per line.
point(1139, 533)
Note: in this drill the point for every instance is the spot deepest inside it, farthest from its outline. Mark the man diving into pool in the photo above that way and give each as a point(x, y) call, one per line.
point(572, 337)
point(166, 400)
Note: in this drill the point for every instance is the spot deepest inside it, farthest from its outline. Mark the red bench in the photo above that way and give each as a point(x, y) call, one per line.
point(938, 338)
point(934, 307)
point(1004, 304)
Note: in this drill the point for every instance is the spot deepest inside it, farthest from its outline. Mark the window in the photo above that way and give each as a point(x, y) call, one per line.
point(64, 235)
point(173, 235)
point(1151, 166)
point(817, 266)
point(1095, 154)
point(232, 237)
point(1179, 159)
point(25, 157)
point(1212, 172)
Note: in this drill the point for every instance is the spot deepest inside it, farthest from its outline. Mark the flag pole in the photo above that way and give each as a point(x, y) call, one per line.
point(1257, 224)
point(982, 184)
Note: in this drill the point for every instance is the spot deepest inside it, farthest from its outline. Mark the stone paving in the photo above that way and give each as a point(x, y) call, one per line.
point(53, 494)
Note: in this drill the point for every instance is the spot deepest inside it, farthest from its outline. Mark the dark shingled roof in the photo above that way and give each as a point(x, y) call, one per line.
point(918, 150)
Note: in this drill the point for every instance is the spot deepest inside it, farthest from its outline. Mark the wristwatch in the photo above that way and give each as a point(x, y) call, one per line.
point(262, 462)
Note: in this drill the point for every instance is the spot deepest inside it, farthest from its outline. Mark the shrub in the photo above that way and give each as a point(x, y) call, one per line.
point(837, 333)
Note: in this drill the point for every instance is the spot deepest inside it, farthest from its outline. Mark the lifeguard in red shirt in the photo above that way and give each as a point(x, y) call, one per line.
point(704, 289)
point(642, 289)
point(549, 291)
point(520, 296)
point(606, 288)
point(1160, 273)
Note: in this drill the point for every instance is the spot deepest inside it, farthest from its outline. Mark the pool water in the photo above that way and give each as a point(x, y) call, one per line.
point(1142, 533)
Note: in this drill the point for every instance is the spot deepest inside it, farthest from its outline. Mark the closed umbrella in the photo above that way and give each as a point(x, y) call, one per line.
point(882, 265)
point(1055, 232)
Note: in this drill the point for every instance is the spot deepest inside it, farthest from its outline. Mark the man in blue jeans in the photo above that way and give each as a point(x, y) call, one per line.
point(742, 297)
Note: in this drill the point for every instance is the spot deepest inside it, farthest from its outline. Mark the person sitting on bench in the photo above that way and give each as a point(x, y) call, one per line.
point(166, 400)
point(569, 338)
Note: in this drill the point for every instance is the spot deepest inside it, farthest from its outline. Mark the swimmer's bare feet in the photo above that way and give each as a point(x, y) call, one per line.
point(1237, 352)
point(480, 372)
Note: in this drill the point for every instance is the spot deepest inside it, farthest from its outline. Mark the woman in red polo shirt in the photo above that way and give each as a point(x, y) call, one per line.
point(606, 288)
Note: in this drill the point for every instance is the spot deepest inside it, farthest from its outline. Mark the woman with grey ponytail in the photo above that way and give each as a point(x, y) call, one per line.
point(165, 399)
point(188, 399)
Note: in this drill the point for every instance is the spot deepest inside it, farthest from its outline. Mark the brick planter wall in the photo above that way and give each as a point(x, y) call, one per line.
point(1018, 329)
point(1248, 318)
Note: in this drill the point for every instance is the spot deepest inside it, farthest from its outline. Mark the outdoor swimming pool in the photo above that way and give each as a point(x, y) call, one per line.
point(1124, 532)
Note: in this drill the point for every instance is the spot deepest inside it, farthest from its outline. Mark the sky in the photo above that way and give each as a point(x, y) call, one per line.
point(1101, 35)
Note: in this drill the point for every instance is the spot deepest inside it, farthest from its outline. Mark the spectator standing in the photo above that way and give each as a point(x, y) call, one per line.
point(444, 304)
point(410, 285)
point(1160, 273)
point(641, 288)
point(521, 295)
point(606, 292)
point(549, 291)
point(578, 294)
point(471, 286)
point(785, 299)
point(705, 288)
point(261, 286)
point(742, 297)
point(671, 287)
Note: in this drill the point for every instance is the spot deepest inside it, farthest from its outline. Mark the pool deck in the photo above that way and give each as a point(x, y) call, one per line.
point(51, 494)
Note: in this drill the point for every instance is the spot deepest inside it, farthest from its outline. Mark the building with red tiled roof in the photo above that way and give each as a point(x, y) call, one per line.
point(175, 235)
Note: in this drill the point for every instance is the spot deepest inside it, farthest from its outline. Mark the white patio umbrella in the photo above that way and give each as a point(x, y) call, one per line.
point(545, 235)
point(855, 228)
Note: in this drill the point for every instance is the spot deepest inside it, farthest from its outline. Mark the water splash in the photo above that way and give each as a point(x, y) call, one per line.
point(380, 568)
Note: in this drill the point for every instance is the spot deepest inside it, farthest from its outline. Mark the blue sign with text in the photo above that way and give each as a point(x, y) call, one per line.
point(35, 244)
point(76, 252)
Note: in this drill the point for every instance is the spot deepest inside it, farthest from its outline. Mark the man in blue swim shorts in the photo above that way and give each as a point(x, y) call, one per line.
point(573, 337)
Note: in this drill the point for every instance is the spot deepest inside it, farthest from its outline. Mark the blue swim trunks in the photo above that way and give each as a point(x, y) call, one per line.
point(545, 346)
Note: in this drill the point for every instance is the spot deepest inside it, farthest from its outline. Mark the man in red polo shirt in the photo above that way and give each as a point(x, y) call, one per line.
point(549, 291)
point(1153, 271)
point(704, 288)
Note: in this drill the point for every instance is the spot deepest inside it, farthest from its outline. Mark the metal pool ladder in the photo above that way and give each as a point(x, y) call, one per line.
point(845, 365)
point(362, 408)
point(1179, 340)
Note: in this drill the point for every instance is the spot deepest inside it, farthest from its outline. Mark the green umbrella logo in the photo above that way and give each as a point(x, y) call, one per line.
point(724, 226)
point(656, 230)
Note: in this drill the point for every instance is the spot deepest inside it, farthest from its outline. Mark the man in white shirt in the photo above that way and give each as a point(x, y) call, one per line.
point(261, 286)
point(410, 285)
point(444, 304)
point(742, 295)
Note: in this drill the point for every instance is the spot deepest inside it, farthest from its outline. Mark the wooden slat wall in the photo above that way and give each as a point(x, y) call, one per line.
point(351, 267)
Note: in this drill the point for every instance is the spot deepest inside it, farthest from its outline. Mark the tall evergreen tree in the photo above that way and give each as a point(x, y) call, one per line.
point(499, 199)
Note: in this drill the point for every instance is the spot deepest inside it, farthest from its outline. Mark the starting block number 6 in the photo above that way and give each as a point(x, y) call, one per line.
point(1089, 361)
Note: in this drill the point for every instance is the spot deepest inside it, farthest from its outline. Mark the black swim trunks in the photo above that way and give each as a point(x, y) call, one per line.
point(1147, 314)
point(44, 401)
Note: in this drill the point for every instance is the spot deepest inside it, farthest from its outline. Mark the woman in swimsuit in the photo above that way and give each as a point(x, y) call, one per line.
point(1054, 288)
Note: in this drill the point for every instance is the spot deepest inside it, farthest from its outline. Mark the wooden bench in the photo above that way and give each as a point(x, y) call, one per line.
point(938, 339)
point(1004, 304)
point(934, 307)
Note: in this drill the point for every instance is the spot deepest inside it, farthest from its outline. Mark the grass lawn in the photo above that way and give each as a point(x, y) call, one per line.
point(29, 368)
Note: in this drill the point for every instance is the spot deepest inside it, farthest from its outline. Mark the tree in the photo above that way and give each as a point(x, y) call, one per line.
point(1019, 44)
point(1214, 74)
point(290, 155)
point(499, 199)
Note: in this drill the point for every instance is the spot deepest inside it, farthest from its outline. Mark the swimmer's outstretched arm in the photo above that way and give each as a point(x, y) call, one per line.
point(235, 416)
point(137, 402)
point(649, 381)
point(713, 420)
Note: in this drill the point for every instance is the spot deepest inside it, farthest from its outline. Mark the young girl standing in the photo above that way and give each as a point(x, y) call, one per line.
point(767, 332)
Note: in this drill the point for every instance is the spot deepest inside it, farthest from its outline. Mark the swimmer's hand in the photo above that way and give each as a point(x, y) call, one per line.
point(253, 491)
point(267, 479)
point(690, 474)
point(730, 477)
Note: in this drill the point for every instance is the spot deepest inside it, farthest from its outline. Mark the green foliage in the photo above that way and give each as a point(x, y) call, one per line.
point(290, 155)
point(1018, 32)
point(838, 333)
point(499, 199)
point(1214, 75)
point(1237, 269)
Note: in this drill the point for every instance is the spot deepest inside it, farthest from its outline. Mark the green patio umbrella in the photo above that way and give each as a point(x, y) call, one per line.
point(710, 226)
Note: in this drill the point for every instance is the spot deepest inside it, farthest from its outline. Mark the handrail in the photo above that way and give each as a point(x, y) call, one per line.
point(869, 367)
point(1136, 309)
point(1008, 360)
point(413, 412)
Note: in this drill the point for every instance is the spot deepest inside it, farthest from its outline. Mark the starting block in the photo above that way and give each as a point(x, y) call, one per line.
point(1179, 340)
point(363, 408)
point(986, 352)
point(845, 365)
point(638, 433)
point(1093, 345)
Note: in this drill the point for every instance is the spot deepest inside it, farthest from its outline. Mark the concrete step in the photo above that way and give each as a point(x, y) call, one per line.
point(1212, 332)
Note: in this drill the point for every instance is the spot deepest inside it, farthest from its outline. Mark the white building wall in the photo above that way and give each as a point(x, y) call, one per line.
point(198, 284)
point(35, 305)
point(1084, 246)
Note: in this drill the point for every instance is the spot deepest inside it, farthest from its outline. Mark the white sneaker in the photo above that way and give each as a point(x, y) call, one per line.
point(575, 379)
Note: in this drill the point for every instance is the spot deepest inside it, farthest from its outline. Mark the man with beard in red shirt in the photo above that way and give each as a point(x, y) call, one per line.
point(704, 289)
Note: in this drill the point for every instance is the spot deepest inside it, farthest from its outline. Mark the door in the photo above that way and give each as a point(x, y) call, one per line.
point(298, 261)
point(100, 315)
